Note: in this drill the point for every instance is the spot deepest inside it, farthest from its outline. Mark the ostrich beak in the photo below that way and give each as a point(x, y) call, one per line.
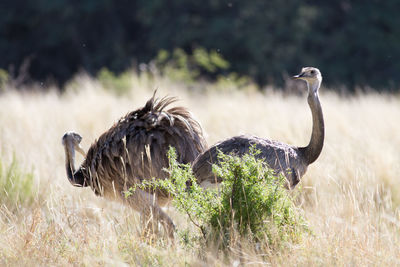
point(298, 76)
point(80, 150)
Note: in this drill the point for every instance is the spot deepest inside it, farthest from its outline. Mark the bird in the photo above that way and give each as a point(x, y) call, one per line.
point(291, 161)
point(135, 149)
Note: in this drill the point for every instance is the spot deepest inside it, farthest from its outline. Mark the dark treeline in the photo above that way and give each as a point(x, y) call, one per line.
point(354, 43)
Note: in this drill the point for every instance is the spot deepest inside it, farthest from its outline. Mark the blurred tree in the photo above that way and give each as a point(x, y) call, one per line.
point(355, 43)
point(358, 42)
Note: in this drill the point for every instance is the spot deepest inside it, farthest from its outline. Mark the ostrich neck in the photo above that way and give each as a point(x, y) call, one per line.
point(314, 148)
point(70, 161)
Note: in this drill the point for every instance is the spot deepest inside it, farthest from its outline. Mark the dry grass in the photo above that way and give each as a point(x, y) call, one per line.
point(350, 196)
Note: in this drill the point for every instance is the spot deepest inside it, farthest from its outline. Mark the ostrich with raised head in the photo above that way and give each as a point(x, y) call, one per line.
point(291, 161)
point(134, 149)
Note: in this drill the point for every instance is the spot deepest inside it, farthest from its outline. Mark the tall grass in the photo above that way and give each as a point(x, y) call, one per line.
point(350, 196)
point(17, 186)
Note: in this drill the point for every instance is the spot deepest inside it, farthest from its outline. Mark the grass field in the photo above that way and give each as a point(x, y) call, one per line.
point(350, 196)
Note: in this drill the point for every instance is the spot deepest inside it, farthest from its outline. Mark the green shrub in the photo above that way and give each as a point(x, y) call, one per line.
point(184, 67)
point(3, 79)
point(251, 201)
point(120, 84)
point(254, 201)
point(16, 186)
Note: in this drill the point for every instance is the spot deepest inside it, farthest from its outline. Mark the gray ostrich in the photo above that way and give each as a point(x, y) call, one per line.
point(134, 149)
point(291, 161)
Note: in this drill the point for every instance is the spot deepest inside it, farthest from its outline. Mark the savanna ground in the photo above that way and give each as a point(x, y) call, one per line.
point(350, 196)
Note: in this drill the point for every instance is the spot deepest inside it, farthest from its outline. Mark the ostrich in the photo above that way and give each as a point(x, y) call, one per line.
point(289, 160)
point(134, 149)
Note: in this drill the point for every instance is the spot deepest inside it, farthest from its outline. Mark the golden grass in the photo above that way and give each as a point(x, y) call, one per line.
point(350, 195)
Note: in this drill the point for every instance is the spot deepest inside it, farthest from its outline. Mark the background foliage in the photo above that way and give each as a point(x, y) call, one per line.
point(355, 43)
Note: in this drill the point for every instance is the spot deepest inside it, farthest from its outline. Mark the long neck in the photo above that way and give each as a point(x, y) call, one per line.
point(70, 161)
point(313, 149)
point(76, 178)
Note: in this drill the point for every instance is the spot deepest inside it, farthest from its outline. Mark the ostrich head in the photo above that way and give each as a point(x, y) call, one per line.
point(312, 76)
point(71, 142)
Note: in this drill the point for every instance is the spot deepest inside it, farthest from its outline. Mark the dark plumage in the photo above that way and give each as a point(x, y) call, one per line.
point(134, 149)
point(279, 156)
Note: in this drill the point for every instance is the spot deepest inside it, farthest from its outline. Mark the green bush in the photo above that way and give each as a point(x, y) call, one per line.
point(251, 201)
point(120, 84)
point(3, 79)
point(17, 187)
point(187, 68)
point(254, 200)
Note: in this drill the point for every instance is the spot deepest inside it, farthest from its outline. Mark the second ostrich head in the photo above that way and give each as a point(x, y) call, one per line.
point(312, 76)
point(71, 142)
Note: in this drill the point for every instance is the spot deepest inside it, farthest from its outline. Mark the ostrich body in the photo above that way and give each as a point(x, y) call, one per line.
point(133, 149)
point(289, 160)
